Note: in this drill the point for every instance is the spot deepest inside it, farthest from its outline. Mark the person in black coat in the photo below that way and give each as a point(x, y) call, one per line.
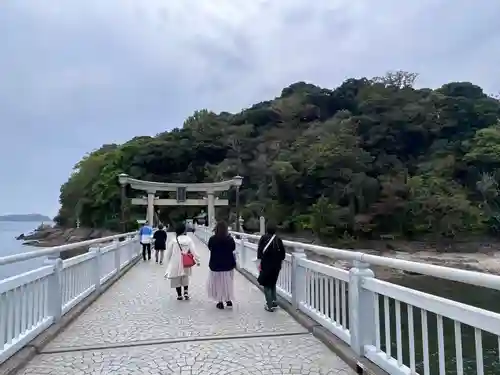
point(271, 253)
point(222, 264)
point(160, 243)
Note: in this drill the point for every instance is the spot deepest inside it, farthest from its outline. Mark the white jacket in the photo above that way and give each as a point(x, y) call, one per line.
point(173, 258)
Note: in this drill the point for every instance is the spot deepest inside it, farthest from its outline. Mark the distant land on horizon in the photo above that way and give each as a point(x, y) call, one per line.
point(25, 217)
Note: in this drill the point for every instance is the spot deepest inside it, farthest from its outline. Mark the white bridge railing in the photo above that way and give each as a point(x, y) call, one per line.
point(32, 301)
point(399, 329)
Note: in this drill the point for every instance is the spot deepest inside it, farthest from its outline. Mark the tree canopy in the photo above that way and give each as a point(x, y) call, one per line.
point(371, 157)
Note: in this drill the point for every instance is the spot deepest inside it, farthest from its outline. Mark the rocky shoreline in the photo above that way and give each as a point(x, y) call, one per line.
point(48, 236)
point(479, 262)
point(480, 256)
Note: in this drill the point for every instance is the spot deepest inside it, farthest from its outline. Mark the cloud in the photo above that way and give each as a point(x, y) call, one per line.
point(76, 74)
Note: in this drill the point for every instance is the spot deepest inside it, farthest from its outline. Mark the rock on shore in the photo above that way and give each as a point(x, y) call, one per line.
point(480, 256)
point(480, 262)
point(48, 236)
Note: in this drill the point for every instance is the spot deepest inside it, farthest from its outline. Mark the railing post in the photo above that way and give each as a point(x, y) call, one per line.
point(298, 278)
point(361, 308)
point(137, 247)
point(97, 268)
point(134, 246)
point(116, 243)
point(262, 225)
point(131, 248)
point(55, 288)
point(243, 253)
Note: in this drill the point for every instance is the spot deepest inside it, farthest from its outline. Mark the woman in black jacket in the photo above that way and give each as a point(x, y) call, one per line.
point(222, 264)
point(271, 253)
point(160, 243)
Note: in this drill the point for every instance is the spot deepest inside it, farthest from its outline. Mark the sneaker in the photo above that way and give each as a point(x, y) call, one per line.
point(275, 304)
point(229, 304)
point(161, 263)
point(179, 298)
point(220, 306)
point(267, 308)
point(186, 296)
point(156, 261)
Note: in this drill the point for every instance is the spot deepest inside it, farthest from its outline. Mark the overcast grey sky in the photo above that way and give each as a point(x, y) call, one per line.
point(75, 74)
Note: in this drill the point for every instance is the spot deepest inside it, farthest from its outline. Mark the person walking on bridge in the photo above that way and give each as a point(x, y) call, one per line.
point(160, 243)
point(181, 256)
point(222, 264)
point(145, 234)
point(271, 253)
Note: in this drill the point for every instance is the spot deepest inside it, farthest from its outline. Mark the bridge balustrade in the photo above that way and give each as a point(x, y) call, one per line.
point(32, 301)
point(379, 320)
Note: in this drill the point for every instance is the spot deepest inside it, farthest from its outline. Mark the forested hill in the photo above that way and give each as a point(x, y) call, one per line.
point(371, 157)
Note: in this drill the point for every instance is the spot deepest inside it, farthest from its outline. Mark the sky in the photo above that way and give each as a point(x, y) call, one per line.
point(75, 74)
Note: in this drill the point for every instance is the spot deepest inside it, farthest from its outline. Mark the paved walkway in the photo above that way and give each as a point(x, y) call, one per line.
point(138, 327)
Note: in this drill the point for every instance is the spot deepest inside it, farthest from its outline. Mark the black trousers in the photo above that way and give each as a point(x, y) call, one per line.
point(270, 294)
point(146, 247)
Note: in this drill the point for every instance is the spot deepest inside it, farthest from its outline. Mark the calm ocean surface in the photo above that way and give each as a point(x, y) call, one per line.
point(9, 245)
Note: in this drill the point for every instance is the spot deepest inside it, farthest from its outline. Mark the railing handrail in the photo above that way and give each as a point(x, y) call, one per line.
point(449, 273)
point(59, 249)
point(32, 301)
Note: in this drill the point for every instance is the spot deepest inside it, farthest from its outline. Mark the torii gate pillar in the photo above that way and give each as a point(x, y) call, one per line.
point(211, 209)
point(151, 208)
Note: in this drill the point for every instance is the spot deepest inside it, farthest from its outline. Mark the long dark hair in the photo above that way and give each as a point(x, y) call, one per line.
point(221, 230)
point(271, 228)
point(180, 230)
point(271, 231)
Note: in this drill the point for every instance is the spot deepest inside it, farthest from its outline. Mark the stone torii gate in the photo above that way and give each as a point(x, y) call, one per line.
point(150, 188)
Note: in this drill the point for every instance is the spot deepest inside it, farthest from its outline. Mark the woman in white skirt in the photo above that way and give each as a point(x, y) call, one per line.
point(181, 256)
point(222, 264)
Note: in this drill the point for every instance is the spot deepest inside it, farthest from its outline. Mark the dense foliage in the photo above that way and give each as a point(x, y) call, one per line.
point(372, 157)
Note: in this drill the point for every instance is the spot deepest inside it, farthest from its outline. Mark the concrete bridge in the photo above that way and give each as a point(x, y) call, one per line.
point(108, 312)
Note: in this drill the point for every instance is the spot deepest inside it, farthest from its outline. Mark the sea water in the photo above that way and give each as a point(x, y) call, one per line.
point(9, 245)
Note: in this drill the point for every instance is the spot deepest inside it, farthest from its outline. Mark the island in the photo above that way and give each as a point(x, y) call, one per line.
point(25, 217)
point(374, 163)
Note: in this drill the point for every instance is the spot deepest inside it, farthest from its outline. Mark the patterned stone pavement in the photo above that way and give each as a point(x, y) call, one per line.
point(138, 327)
